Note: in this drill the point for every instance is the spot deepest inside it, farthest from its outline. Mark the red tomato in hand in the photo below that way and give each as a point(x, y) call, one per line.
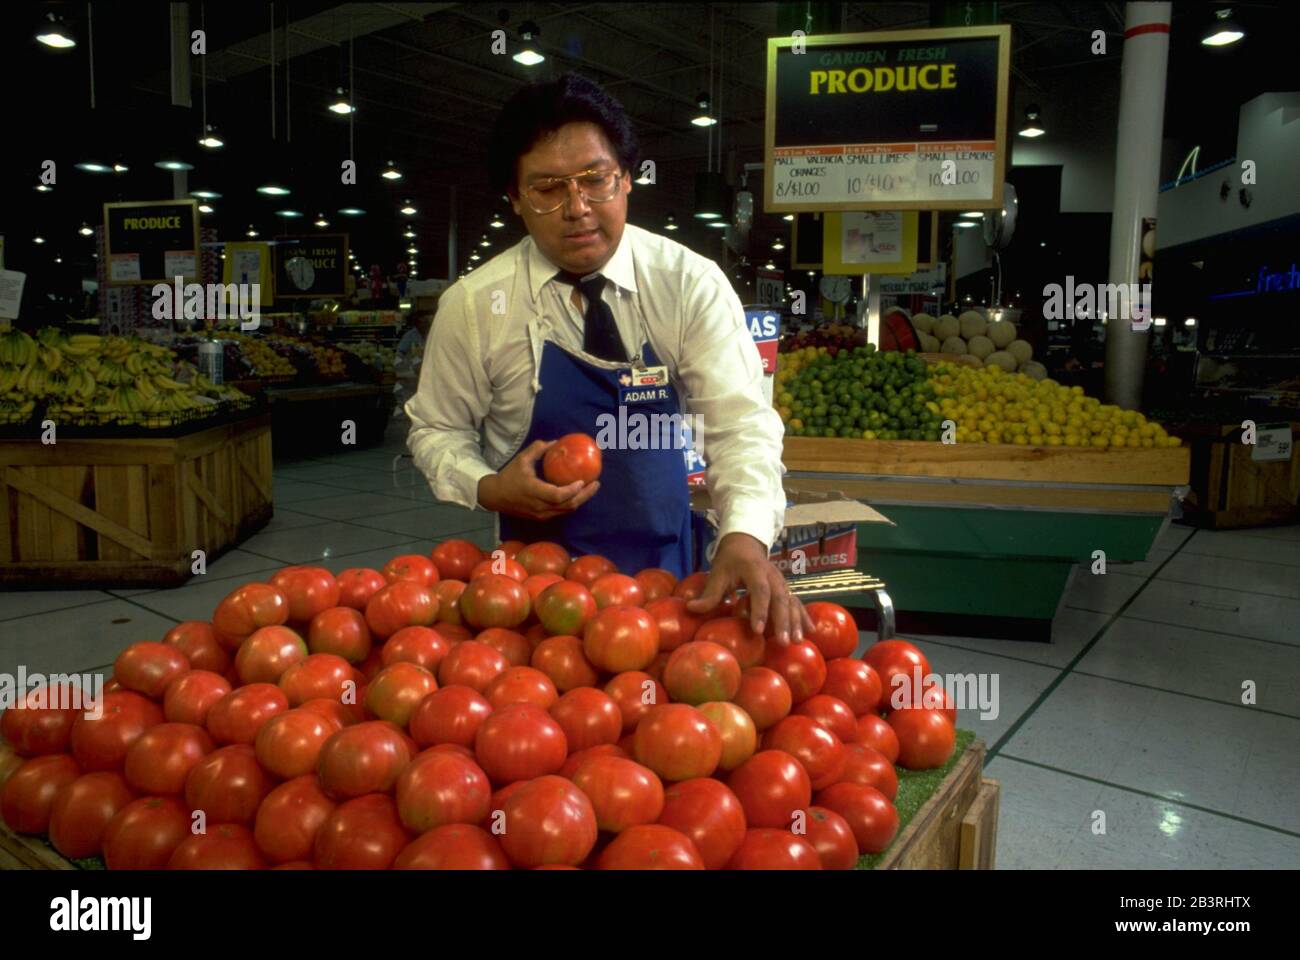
point(565, 607)
point(144, 834)
point(148, 667)
point(586, 570)
point(879, 735)
point(440, 788)
point(403, 603)
point(736, 635)
point(588, 717)
point(189, 697)
point(869, 813)
point(35, 729)
point(764, 695)
point(544, 557)
point(621, 638)
point(832, 838)
point(288, 745)
point(161, 759)
point(855, 682)
point(636, 693)
point(415, 567)
point(701, 672)
point(616, 589)
point(833, 714)
point(472, 664)
point(361, 834)
point(226, 846)
point(925, 738)
point(802, 665)
point(835, 633)
point(100, 743)
point(739, 737)
point(357, 585)
point(678, 742)
point(521, 685)
point(870, 768)
point(820, 752)
point(707, 812)
point(29, 794)
point(650, 846)
point(198, 642)
point(268, 653)
point(499, 566)
point(573, 457)
point(341, 631)
point(239, 715)
point(495, 601)
point(767, 848)
point(771, 785)
point(397, 690)
point(656, 583)
point(520, 742)
point(676, 624)
point(622, 792)
point(453, 846)
point(289, 819)
point(309, 590)
point(451, 714)
point(563, 660)
point(363, 758)
point(82, 810)
point(456, 558)
point(228, 785)
point(249, 608)
point(547, 820)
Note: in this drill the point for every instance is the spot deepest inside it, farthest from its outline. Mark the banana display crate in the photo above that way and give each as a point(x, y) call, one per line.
point(130, 511)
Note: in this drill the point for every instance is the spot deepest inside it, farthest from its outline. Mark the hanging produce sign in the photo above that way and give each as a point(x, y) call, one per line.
point(910, 119)
point(151, 241)
point(311, 265)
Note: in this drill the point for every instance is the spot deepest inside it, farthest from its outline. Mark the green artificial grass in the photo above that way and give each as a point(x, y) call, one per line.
point(915, 787)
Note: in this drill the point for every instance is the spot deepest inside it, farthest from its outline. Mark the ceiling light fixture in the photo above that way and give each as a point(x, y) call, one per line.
point(1223, 30)
point(205, 194)
point(211, 139)
point(497, 223)
point(321, 221)
point(391, 172)
point(408, 210)
point(1031, 128)
point(85, 230)
point(55, 34)
point(342, 106)
point(205, 208)
point(704, 118)
point(529, 55)
point(251, 232)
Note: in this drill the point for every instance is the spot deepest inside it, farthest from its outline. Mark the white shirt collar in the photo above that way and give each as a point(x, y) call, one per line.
point(619, 270)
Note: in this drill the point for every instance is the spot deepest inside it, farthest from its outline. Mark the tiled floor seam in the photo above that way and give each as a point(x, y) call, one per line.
point(1153, 796)
point(1184, 626)
point(1211, 586)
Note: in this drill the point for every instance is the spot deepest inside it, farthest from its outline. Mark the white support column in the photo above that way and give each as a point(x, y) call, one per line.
point(1137, 182)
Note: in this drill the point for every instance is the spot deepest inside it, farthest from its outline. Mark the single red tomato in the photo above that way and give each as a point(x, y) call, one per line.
point(736, 635)
point(341, 631)
point(453, 846)
point(161, 759)
point(514, 646)
point(226, 846)
point(616, 589)
point(268, 653)
point(228, 785)
point(363, 833)
point(423, 646)
point(678, 742)
point(896, 658)
point(764, 695)
point(288, 745)
point(520, 742)
point(835, 632)
point(855, 682)
point(635, 693)
point(495, 601)
point(563, 660)
point(564, 608)
point(198, 642)
point(190, 696)
point(403, 603)
point(239, 715)
point(707, 812)
point(144, 834)
point(879, 735)
point(344, 715)
point(650, 846)
point(676, 624)
point(546, 820)
point(766, 848)
point(290, 817)
point(833, 714)
point(544, 558)
point(511, 548)
point(29, 793)
point(739, 737)
point(357, 585)
point(871, 768)
point(701, 672)
point(572, 458)
point(363, 758)
point(869, 813)
point(83, 809)
point(499, 566)
point(656, 583)
point(521, 685)
point(319, 676)
point(472, 664)
point(587, 569)
point(100, 743)
point(623, 793)
point(454, 633)
point(925, 738)
point(621, 638)
point(35, 728)
point(309, 590)
point(397, 690)
point(802, 665)
point(451, 714)
point(440, 788)
point(148, 667)
point(772, 786)
point(932, 696)
point(588, 717)
point(832, 838)
point(415, 567)
point(575, 761)
point(456, 558)
point(448, 593)
point(537, 583)
point(249, 608)
point(819, 750)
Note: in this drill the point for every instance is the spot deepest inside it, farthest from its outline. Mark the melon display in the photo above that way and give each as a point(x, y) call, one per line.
point(1001, 332)
point(1021, 350)
point(953, 345)
point(1000, 358)
point(1034, 369)
point(972, 324)
point(980, 346)
point(929, 344)
point(947, 326)
point(923, 323)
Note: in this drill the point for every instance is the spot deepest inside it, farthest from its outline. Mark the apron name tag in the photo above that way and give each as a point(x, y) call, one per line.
point(643, 385)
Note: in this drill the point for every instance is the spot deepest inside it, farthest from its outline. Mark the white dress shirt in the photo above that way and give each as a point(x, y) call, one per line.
point(482, 361)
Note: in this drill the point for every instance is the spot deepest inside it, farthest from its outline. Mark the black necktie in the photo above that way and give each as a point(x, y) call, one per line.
point(600, 334)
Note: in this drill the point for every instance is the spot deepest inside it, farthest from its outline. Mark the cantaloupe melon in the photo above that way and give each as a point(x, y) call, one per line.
point(1034, 369)
point(1021, 350)
point(947, 326)
point(953, 345)
point(1001, 332)
point(923, 322)
point(980, 346)
point(929, 344)
point(1000, 358)
point(972, 325)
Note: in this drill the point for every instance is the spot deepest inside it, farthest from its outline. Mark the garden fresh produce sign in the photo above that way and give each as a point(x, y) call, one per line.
point(311, 265)
point(911, 119)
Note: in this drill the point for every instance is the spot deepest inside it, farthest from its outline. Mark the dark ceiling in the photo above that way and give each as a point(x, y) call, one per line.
point(427, 87)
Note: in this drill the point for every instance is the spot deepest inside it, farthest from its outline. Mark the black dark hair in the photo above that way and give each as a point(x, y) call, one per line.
point(543, 108)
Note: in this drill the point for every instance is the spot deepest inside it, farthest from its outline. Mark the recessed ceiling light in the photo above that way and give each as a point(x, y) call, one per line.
point(273, 189)
point(205, 194)
point(172, 164)
point(288, 213)
point(350, 211)
point(38, 239)
point(90, 167)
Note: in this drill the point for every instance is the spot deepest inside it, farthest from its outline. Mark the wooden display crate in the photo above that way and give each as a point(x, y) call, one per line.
point(130, 511)
point(1231, 489)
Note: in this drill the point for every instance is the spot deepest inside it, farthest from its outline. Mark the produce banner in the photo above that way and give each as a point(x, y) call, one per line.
point(151, 241)
point(311, 265)
point(911, 119)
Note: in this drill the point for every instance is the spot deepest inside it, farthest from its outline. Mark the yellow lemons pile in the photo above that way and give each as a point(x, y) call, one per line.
point(991, 406)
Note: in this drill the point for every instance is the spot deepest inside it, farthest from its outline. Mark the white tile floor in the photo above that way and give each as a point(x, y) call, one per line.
point(1134, 711)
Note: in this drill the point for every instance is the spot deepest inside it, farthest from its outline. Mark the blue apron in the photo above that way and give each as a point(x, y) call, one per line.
point(641, 516)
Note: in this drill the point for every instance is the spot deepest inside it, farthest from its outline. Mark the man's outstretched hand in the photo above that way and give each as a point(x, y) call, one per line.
point(742, 561)
point(518, 491)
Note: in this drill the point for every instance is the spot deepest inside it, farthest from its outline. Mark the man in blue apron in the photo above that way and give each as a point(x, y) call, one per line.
point(592, 325)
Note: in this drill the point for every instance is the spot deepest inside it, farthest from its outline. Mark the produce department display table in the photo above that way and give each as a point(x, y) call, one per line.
point(311, 417)
point(130, 511)
point(986, 536)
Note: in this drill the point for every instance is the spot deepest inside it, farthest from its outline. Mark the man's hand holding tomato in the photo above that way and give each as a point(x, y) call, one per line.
point(517, 490)
point(742, 561)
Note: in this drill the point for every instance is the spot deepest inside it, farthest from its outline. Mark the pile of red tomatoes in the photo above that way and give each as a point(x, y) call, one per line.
point(466, 711)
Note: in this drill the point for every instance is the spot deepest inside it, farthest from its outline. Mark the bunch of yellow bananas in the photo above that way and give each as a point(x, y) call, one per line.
point(17, 348)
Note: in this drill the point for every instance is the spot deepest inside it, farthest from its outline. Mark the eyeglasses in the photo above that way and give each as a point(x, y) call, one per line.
point(595, 186)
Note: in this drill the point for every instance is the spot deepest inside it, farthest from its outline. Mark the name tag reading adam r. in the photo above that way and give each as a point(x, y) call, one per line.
point(642, 386)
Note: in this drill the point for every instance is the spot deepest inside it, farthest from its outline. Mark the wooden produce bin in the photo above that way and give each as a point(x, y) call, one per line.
point(991, 533)
point(130, 512)
point(1230, 488)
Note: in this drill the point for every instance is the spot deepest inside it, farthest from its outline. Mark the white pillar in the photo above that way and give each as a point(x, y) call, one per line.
point(1137, 183)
